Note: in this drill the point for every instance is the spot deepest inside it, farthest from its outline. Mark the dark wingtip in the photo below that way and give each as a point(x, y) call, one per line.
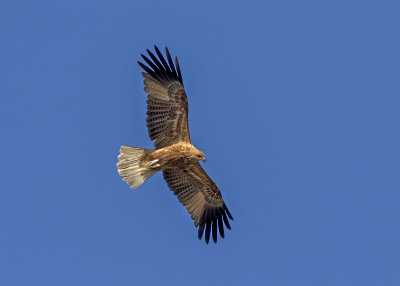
point(146, 68)
point(227, 212)
point(157, 51)
point(201, 230)
point(178, 69)
point(214, 227)
point(208, 230)
point(161, 69)
point(228, 226)
point(212, 221)
point(221, 226)
point(171, 63)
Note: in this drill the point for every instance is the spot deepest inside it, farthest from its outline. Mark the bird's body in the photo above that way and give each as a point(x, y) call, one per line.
point(180, 155)
point(175, 156)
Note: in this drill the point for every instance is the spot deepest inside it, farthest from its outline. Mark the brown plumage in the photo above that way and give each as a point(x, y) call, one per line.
point(175, 156)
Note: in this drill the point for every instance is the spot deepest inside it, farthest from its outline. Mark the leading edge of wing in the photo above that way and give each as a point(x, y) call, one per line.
point(159, 68)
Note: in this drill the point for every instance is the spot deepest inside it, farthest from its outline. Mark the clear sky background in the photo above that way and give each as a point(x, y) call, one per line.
point(296, 105)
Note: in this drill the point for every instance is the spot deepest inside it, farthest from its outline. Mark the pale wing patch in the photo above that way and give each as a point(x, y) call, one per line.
point(154, 89)
point(195, 207)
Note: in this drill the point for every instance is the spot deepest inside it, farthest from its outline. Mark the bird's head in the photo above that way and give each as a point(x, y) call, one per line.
point(198, 155)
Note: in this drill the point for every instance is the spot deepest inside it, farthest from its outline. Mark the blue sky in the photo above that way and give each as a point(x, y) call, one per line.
point(295, 104)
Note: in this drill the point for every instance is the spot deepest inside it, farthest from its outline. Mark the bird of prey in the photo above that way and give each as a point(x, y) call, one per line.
point(174, 154)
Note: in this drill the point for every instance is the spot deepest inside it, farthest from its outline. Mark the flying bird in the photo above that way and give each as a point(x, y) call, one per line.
point(174, 154)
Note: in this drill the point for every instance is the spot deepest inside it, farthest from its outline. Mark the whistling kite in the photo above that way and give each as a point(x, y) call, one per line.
point(175, 156)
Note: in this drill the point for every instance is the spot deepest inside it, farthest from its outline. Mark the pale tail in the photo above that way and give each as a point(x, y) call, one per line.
point(130, 166)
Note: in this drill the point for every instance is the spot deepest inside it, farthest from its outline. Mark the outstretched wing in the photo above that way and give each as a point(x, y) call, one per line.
point(201, 198)
point(167, 106)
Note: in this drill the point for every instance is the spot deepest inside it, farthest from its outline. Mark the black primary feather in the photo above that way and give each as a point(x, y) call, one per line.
point(161, 57)
point(226, 221)
point(171, 63)
point(155, 60)
point(212, 221)
point(160, 69)
point(221, 226)
point(214, 229)
point(201, 229)
point(154, 67)
point(178, 69)
point(208, 229)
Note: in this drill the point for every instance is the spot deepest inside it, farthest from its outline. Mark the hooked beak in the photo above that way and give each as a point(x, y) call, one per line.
point(203, 159)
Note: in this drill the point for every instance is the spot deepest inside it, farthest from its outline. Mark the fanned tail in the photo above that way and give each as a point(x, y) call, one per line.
point(130, 165)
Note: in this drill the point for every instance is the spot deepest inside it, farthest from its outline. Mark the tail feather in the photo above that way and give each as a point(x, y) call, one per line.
point(130, 165)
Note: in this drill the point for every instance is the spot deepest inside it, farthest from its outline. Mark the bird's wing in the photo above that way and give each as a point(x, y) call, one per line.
point(167, 106)
point(201, 198)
